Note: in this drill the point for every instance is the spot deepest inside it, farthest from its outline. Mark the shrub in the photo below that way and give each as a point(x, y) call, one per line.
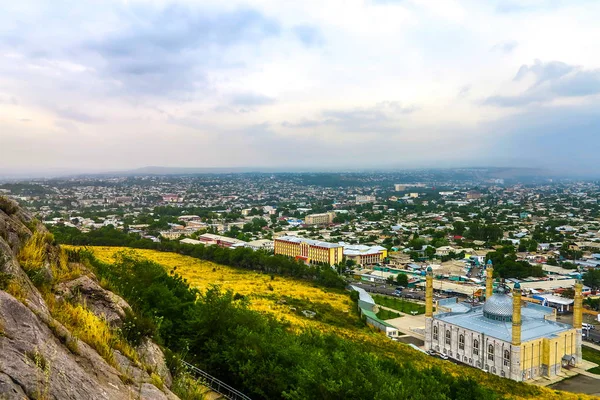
point(16, 290)
point(4, 280)
point(135, 328)
point(33, 254)
point(156, 380)
point(8, 206)
point(187, 387)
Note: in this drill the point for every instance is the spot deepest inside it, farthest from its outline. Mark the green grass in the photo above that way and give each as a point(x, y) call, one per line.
point(592, 355)
point(399, 305)
point(387, 314)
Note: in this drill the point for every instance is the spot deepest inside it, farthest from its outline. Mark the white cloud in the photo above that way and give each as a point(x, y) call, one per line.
point(252, 81)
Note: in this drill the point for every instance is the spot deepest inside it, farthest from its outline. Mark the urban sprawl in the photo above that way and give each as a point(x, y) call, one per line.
point(510, 266)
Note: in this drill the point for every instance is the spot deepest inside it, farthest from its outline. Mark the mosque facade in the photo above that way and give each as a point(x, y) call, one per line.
point(504, 336)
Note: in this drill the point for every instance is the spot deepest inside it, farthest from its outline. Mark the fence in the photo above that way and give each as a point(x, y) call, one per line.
point(216, 385)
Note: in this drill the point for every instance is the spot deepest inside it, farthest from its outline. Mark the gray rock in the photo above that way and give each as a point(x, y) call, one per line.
point(151, 355)
point(41, 366)
point(127, 367)
point(151, 392)
point(101, 302)
point(9, 390)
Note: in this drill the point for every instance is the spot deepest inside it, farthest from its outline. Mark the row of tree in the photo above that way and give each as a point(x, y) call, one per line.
point(240, 257)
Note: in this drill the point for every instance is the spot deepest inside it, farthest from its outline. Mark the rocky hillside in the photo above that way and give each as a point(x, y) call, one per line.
point(59, 329)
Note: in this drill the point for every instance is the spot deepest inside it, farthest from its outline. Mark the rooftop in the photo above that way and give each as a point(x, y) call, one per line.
point(295, 239)
point(533, 322)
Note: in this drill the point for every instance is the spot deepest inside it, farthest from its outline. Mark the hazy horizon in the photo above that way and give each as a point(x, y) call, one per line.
point(91, 87)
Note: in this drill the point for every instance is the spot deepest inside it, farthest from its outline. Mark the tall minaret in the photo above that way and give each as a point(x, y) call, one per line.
point(515, 352)
point(489, 279)
point(578, 319)
point(516, 317)
point(429, 293)
point(428, 309)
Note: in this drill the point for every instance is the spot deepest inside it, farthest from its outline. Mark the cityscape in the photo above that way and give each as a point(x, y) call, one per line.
point(340, 199)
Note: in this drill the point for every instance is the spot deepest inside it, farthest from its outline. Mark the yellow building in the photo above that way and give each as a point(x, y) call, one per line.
point(310, 251)
point(505, 336)
point(319, 219)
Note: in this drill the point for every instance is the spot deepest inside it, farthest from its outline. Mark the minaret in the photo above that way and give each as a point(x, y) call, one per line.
point(428, 308)
point(429, 293)
point(515, 352)
point(489, 279)
point(516, 317)
point(578, 319)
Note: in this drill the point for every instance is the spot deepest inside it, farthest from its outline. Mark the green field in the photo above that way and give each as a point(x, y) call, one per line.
point(387, 314)
point(592, 355)
point(399, 305)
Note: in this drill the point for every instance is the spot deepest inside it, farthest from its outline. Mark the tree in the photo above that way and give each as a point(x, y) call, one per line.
point(402, 279)
point(592, 279)
point(569, 293)
point(459, 228)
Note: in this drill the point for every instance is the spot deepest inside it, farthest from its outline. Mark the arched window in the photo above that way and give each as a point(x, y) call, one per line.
point(506, 357)
point(476, 347)
point(435, 333)
point(461, 342)
point(448, 336)
point(491, 352)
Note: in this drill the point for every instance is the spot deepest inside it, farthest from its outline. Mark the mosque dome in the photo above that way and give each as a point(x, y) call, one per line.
point(499, 306)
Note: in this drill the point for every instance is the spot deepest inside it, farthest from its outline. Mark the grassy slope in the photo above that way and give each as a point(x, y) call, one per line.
point(286, 297)
point(593, 356)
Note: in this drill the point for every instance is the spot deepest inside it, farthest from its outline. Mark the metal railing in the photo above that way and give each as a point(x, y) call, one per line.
point(216, 385)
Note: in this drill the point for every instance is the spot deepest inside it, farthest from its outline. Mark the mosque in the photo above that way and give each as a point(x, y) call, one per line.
point(505, 337)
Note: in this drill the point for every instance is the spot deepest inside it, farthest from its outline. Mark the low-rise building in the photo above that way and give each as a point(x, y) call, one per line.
point(308, 250)
point(221, 241)
point(365, 255)
point(319, 219)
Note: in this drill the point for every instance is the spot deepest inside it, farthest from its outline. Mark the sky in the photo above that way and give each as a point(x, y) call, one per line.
point(111, 85)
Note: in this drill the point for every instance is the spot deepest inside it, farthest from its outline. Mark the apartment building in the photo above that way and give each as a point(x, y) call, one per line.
point(319, 219)
point(308, 250)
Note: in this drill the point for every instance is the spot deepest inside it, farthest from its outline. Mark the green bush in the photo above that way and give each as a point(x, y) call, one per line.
point(135, 328)
point(4, 280)
point(260, 356)
point(387, 314)
point(8, 206)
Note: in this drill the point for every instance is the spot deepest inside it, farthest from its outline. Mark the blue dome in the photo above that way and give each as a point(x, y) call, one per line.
point(498, 307)
point(517, 286)
point(429, 269)
point(490, 262)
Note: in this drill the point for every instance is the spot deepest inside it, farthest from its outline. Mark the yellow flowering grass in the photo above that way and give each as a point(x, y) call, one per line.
point(266, 296)
point(200, 274)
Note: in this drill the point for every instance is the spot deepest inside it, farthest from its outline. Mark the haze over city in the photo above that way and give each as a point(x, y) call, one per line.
point(115, 85)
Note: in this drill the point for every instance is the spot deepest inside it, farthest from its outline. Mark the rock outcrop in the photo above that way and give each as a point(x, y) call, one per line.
point(101, 302)
point(39, 357)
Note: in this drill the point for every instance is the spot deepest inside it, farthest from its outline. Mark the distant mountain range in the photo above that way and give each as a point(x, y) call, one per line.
point(482, 172)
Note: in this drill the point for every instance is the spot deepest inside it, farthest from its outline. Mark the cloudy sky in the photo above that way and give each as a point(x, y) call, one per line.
point(104, 85)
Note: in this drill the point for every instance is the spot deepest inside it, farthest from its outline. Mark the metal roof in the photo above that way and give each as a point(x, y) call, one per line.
point(533, 324)
point(499, 304)
point(296, 239)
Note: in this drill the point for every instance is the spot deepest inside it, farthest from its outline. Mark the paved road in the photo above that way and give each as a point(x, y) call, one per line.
point(579, 384)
